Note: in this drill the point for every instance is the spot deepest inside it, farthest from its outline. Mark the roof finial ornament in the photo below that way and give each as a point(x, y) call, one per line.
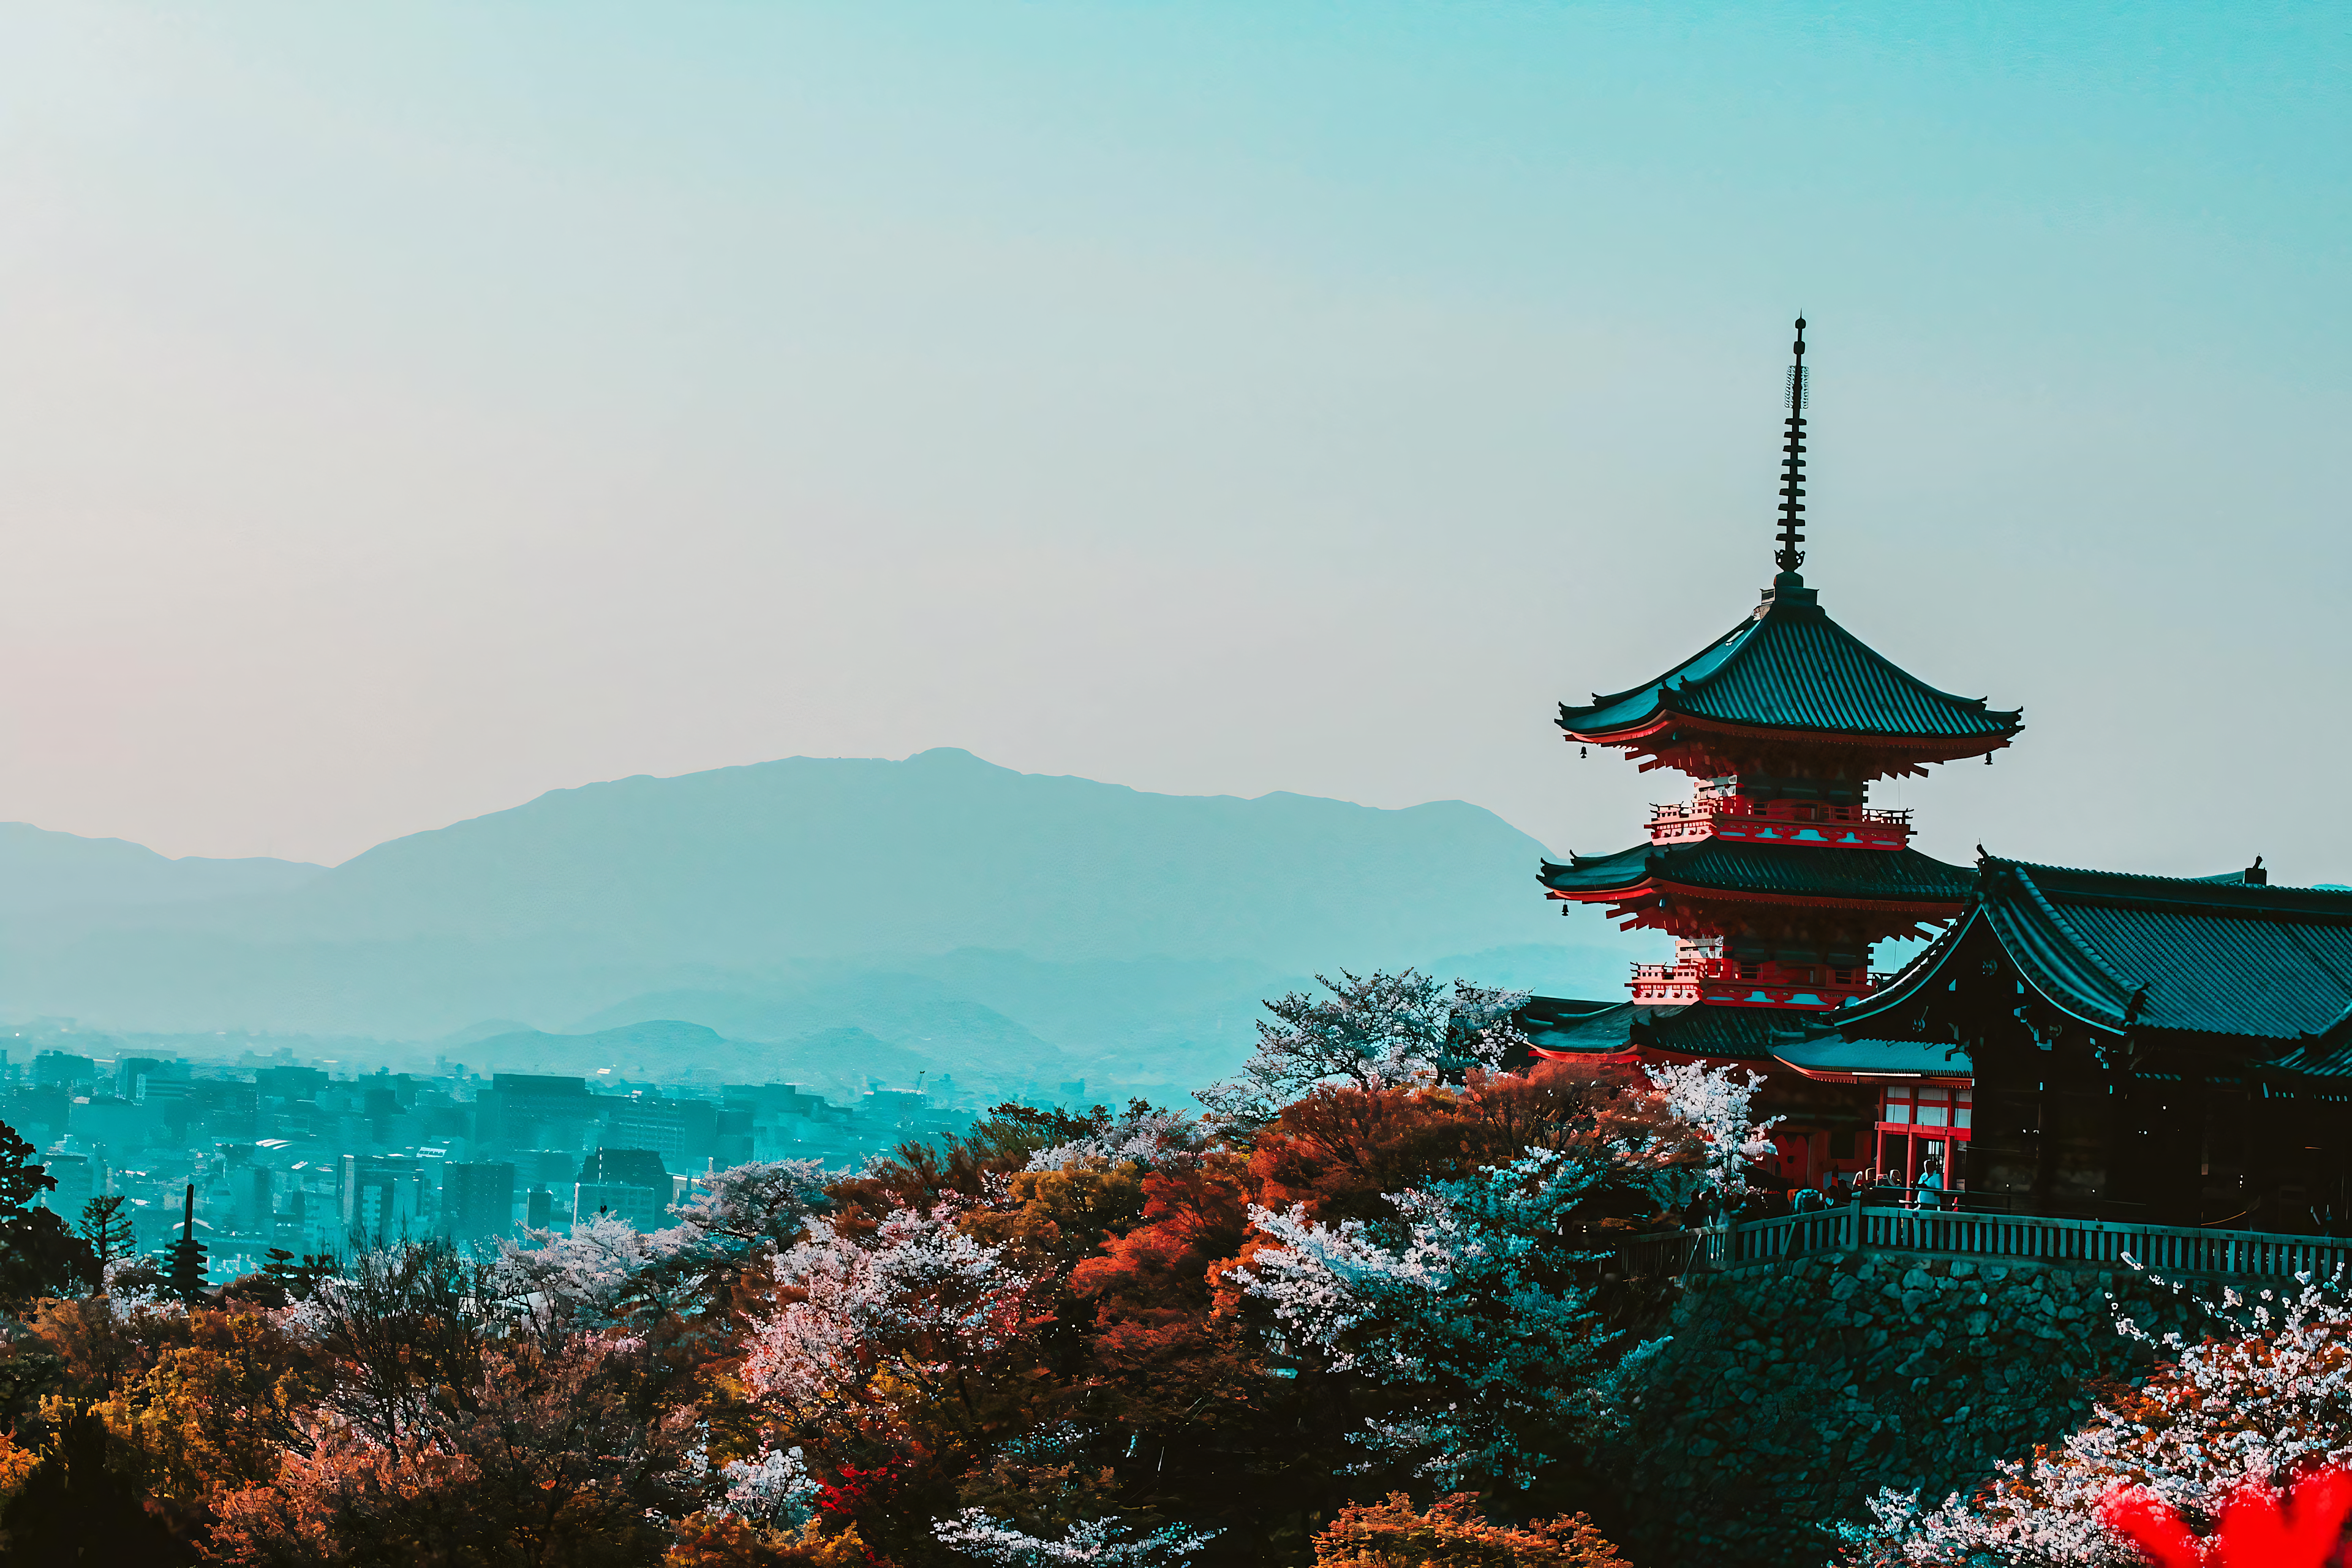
point(1792, 466)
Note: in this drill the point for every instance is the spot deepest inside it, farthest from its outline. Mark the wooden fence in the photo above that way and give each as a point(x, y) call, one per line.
point(2169, 1250)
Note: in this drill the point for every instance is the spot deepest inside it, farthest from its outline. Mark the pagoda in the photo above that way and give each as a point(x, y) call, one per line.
point(1777, 875)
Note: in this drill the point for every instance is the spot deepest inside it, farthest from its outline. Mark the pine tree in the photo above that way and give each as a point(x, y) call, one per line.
point(106, 1227)
point(39, 1255)
point(301, 1277)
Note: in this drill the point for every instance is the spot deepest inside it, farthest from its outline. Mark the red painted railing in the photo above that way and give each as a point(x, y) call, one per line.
point(1738, 819)
point(1728, 982)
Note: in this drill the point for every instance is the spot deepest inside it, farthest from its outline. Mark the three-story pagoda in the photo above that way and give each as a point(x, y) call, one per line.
point(1778, 875)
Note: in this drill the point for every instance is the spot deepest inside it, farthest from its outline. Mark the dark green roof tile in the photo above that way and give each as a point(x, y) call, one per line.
point(2196, 956)
point(1742, 1033)
point(1790, 666)
point(1896, 875)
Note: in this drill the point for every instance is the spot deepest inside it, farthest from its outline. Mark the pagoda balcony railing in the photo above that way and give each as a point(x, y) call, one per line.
point(2166, 1251)
point(1725, 982)
point(1738, 819)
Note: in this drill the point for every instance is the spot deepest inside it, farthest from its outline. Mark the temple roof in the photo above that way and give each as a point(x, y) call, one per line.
point(1831, 1057)
point(1901, 876)
point(1789, 667)
point(1565, 1027)
point(2210, 956)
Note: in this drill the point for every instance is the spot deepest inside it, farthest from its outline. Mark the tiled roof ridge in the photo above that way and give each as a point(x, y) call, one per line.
point(1728, 655)
point(1793, 615)
point(1746, 626)
point(2066, 928)
point(2250, 897)
point(1688, 863)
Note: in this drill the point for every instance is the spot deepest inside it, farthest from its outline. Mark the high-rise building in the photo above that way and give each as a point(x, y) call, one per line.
point(683, 1132)
point(131, 1074)
point(251, 1189)
point(527, 1111)
point(628, 1185)
point(63, 1067)
point(380, 1196)
point(78, 1178)
point(478, 1198)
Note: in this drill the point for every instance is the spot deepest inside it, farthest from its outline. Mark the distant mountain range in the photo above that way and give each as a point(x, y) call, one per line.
point(1009, 928)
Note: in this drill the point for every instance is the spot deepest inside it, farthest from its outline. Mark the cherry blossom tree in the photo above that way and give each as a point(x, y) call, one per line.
point(765, 1203)
point(605, 1270)
point(2266, 1400)
point(872, 1328)
point(1144, 1135)
point(587, 1276)
point(1720, 1103)
point(1465, 1307)
point(1089, 1543)
point(1372, 1031)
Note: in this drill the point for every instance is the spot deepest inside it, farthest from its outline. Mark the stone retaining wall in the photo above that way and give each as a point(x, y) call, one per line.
point(1790, 1393)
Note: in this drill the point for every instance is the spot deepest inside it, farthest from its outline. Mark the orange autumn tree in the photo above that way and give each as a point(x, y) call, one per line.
point(1450, 1533)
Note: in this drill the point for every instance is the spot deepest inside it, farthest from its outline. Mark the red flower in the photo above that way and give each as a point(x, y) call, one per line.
point(853, 1491)
point(2259, 1528)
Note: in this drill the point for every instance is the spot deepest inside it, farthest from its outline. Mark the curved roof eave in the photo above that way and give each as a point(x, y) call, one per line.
point(1683, 688)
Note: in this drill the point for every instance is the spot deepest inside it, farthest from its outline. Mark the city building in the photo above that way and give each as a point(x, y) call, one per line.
point(478, 1198)
point(630, 1185)
point(63, 1067)
point(683, 1132)
point(78, 1177)
point(527, 1111)
point(380, 1197)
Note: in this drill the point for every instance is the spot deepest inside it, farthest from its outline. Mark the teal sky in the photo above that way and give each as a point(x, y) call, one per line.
point(406, 409)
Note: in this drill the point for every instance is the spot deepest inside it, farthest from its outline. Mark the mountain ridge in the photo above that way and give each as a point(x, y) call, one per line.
point(938, 898)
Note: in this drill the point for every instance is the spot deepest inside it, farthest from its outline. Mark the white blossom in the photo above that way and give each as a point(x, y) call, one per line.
point(1155, 1139)
point(155, 1298)
point(1095, 1544)
point(2270, 1395)
point(582, 1276)
point(1374, 1031)
point(772, 1488)
point(918, 1298)
point(1463, 1306)
point(766, 1203)
point(1720, 1103)
point(603, 1267)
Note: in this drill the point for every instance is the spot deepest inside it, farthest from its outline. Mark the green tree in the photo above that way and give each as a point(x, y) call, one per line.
point(39, 1255)
point(105, 1226)
point(299, 1277)
point(20, 1182)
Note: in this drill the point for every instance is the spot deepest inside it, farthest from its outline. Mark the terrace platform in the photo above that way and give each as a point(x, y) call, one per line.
point(2172, 1252)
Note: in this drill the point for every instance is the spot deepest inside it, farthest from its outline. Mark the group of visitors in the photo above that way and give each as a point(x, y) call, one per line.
point(1874, 1188)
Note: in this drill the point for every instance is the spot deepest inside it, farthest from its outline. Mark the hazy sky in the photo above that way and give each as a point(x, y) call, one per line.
point(408, 408)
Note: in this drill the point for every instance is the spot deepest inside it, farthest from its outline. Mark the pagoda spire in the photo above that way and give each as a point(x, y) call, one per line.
point(1793, 467)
